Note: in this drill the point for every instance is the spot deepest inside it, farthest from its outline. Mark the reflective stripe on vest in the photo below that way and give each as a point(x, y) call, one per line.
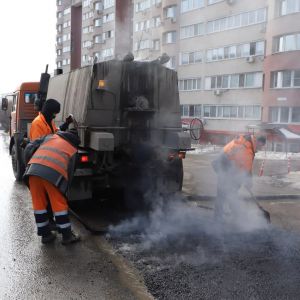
point(54, 153)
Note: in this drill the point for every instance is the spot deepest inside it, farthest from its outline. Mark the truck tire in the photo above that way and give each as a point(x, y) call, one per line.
point(17, 164)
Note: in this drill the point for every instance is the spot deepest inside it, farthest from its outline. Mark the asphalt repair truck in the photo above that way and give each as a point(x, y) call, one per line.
point(128, 118)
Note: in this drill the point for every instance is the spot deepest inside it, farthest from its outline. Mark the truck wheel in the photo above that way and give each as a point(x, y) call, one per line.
point(17, 165)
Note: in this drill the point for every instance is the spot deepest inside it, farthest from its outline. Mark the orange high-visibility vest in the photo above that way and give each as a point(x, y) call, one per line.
point(241, 151)
point(54, 153)
point(40, 127)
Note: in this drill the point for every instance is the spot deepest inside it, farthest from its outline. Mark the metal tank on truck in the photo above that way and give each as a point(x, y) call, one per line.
point(128, 118)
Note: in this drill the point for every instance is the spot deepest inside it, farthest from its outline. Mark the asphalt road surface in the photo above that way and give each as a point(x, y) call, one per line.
point(177, 250)
point(30, 270)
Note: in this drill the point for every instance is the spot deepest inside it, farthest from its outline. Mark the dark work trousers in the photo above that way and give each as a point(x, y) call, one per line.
point(228, 186)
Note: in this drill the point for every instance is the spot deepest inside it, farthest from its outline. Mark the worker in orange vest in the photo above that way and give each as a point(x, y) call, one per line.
point(234, 169)
point(48, 175)
point(43, 125)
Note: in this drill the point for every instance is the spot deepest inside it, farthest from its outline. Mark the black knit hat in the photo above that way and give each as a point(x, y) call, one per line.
point(51, 106)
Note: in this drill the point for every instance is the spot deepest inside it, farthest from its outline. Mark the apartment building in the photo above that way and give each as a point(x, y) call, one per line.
point(281, 97)
point(92, 29)
point(237, 60)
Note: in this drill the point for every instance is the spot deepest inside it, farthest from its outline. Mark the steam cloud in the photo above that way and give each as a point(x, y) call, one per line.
point(175, 220)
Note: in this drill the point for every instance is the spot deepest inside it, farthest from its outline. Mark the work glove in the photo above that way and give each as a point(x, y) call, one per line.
point(24, 143)
point(69, 119)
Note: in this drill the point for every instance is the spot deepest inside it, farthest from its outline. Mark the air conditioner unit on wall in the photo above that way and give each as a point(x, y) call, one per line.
point(250, 59)
point(230, 2)
point(217, 92)
point(158, 4)
point(173, 20)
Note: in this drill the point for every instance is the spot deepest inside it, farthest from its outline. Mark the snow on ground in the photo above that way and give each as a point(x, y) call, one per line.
point(276, 155)
point(209, 148)
point(204, 148)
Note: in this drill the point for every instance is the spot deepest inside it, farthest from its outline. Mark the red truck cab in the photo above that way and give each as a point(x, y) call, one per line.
point(21, 113)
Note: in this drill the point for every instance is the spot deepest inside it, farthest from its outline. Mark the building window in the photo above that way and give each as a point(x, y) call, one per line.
point(156, 45)
point(285, 43)
point(86, 3)
point(67, 24)
point(156, 22)
point(234, 81)
point(236, 51)
point(59, 52)
point(295, 114)
point(170, 37)
point(59, 40)
point(191, 110)
point(108, 34)
point(67, 11)
point(58, 2)
point(59, 64)
point(191, 30)
point(66, 49)
point(108, 17)
point(66, 37)
point(66, 62)
point(98, 6)
point(187, 5)
point(98, 22)
point(108, 3)
point(144, 25)
point(190, 84)
point(170, 11)
point(190, 57)
point(209, 2)
point(97, 55)
point(59, 28)
point(285, 79)
point(88, 29)
point(142, 45)
point(143, 5)
point(59, 14)
point(184, 110)
point(98, 39)
point(284, 114)
point(87, 44)
point(287, 7)
point(88, 15)
point(236, 21)
point(107, 53)
point(86, 59)
point(250, 112)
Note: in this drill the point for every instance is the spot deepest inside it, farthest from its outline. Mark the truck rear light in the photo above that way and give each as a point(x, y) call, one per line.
point(84, 158)
point(174, 155)
point(171, 156)
point(181, 155)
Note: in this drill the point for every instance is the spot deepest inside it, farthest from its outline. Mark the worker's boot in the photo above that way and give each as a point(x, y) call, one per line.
point(52, 225)
point(70, 237)
point(48, 238)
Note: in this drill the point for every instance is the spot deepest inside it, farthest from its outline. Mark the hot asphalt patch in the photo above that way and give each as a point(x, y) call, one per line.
point(261, 264)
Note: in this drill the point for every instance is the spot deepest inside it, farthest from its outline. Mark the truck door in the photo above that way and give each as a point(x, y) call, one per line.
point(13, 118)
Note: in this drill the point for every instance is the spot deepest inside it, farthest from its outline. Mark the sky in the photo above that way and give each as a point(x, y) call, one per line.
point(27, 37)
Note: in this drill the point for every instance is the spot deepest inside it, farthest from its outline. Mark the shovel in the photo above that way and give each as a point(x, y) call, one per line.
point(265, 213)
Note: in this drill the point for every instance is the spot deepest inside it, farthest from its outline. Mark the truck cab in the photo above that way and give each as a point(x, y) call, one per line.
point(19, 105)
